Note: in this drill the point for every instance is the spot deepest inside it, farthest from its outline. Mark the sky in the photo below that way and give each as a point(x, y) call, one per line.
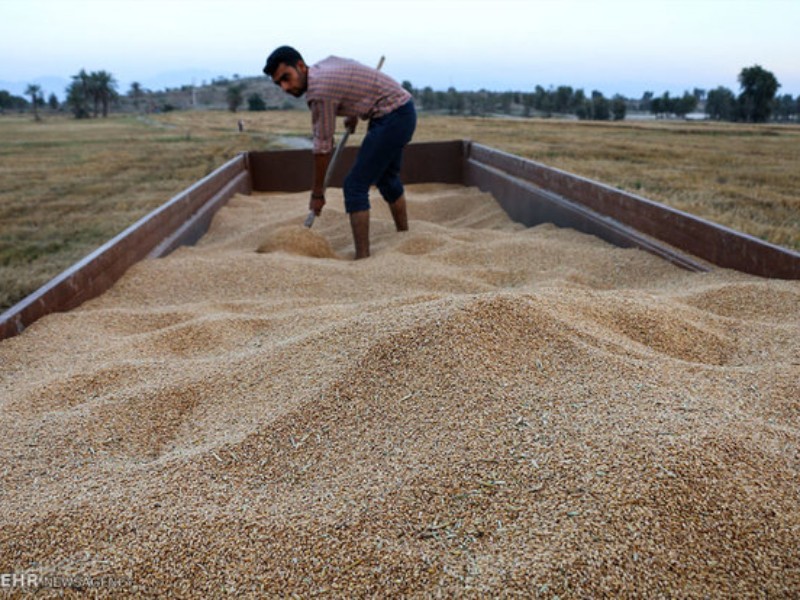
point(613, 46)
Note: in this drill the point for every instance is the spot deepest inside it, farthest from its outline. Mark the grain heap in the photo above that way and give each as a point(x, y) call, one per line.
point(297, 240)
point(477, 409)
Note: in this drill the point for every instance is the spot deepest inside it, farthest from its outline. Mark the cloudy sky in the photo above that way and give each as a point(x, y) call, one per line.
point(614, 46)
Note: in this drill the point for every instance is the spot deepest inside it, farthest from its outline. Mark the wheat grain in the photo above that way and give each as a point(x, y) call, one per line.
point(478, 409)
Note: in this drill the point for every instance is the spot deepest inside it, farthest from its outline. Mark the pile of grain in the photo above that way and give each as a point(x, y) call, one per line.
point(297, 240)
point(477, 409)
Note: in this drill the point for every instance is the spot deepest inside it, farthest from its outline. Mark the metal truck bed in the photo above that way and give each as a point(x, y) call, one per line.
point(530, 192)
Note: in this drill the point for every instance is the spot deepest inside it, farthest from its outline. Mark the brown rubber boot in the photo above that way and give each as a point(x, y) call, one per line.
point(398, 208)
point(359, 222)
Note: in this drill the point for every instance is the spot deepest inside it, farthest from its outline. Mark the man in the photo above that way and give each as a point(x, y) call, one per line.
point(341, 87)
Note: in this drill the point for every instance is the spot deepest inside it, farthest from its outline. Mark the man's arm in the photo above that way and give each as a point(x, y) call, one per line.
point(317, 200)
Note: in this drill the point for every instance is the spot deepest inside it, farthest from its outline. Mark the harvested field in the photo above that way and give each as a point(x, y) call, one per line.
point(478, 409)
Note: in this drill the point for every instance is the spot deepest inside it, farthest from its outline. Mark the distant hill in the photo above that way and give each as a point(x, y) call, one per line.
point(214, 95)
point(211, 95)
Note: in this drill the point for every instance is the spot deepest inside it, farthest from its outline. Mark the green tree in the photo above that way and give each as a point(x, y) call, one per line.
point(647, 99)
point(618, 108)
point(699, 93)
point(235, 97)
point(601, 108)
point(33, 91)
point(542, 100)
point(136, 94)
point(455, 102)
point(578, 100)
point(96, 89)
point(9, 101)
point(506, 100)
point(527, 105)
point(662, 106)
point(6, 100)
point(562, 99)
point(785, 107)
point(428, 98)
point(684, 105)
point(52, 102)
point(78, 95)
point(721, 104)
point(584, 110)
point(256, 103)
point(759, 87)
point(103, 88)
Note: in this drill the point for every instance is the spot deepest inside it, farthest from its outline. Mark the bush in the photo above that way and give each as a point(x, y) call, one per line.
point(256, 103)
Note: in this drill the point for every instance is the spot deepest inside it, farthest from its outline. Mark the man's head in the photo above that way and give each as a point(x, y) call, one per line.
point(287, 69)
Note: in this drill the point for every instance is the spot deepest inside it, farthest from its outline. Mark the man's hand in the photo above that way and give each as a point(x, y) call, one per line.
point(316, 203)
point(350, 124)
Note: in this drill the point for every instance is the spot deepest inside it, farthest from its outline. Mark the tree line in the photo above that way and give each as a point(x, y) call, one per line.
point(89, 95)
point(92, 94)
point(757, 102)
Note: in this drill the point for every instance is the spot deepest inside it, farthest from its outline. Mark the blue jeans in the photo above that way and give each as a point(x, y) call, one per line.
point(380, 158)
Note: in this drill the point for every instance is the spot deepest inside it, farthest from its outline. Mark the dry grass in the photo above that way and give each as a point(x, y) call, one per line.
point(67, 186)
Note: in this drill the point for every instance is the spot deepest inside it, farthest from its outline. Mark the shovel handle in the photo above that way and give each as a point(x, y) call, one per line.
point(334, 158)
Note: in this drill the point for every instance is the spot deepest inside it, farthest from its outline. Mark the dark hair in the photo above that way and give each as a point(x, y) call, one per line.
point(286, 55)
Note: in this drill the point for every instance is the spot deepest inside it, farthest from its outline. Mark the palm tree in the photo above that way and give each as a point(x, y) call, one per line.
point(103, 87)
point(78, 95)
point(33, 91)
point(136, 93)
point(97, 87)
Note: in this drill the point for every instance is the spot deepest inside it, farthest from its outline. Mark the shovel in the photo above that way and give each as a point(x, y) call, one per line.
point(331, 165)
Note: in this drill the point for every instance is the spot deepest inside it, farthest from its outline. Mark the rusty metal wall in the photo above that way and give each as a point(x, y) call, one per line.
point(688, 234)
point(530, 192)
point(291, 170)
point(531, 205)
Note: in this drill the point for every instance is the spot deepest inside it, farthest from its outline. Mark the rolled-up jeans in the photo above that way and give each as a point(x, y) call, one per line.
point(380, 158)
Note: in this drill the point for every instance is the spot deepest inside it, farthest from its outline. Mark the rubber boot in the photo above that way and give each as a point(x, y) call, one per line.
point(398, 208)
point(359, 222)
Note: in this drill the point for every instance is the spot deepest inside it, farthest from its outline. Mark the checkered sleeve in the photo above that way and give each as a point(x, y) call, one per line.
point(323, 120)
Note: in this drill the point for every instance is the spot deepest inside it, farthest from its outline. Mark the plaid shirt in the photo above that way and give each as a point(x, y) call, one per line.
point(346, 88)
